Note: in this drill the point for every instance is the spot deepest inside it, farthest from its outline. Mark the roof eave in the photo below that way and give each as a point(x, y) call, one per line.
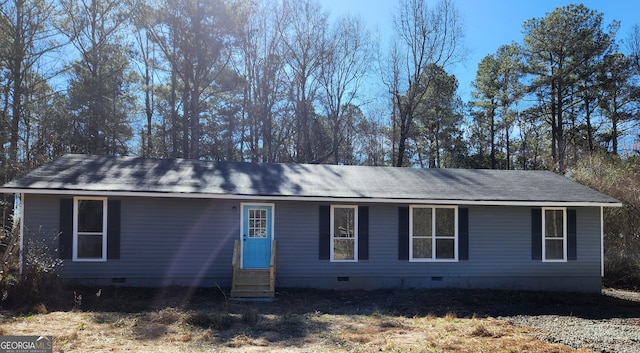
point(527, 203)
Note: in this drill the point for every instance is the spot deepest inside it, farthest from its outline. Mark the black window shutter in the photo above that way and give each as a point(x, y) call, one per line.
point(363, 233)
point(536, 234)
point(324, 242)
point(463, 233)
point(65, 238)
point(403, 233)
point(572, 236)
point(113, 229)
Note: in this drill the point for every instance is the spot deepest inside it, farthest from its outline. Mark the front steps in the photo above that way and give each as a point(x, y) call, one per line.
point(253, 283)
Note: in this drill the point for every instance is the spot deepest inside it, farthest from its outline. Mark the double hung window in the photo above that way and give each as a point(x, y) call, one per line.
point(554, 227)
point(433, 233)
point(89, 229)
point(344, 233)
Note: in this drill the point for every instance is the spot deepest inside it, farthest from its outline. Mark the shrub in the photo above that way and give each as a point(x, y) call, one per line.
point(250, 317)
point(39, 282)
point(165, 316)
point(619, 179)
point(481, 331)
point(216, 321)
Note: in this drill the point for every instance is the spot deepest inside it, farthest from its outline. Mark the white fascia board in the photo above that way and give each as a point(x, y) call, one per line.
point(313, 198)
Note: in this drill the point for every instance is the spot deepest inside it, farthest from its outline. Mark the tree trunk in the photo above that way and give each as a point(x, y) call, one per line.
point(508, 147)
point(195, 121)
point(560, 132)
point(492, 133)
point(589, 126)
point(16, 77)
point(148, 103)
point(186, 115)
point(174, 114)
point(554, 126)
point(402, 141)
point(437, 143)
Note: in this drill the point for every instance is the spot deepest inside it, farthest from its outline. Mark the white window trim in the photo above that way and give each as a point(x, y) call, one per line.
point(564, 234)
point(433, 231)
point(355, 232)
point(75, 229)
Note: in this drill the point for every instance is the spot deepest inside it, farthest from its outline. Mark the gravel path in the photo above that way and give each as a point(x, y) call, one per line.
point(610, 335)
point(607, 322)
point(608, 328)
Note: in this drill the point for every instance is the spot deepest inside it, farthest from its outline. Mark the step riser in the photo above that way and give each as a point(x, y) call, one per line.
point(265, 280)
point(248, 287)
point(255, 275)
point(252, 284)
point(251, 294)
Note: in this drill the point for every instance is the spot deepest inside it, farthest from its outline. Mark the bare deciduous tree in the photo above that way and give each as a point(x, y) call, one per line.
point(425, 36)
point(303, 26)
point(261, 64)
point(341, 74)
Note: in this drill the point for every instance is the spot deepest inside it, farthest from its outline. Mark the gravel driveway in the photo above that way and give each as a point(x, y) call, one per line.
point(607, 322)
point(611, 326)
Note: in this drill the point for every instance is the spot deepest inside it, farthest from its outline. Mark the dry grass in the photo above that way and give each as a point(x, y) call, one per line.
point(84, 332)
point(295, 323)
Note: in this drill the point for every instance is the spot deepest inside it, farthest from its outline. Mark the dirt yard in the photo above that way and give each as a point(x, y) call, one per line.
point(179, 320)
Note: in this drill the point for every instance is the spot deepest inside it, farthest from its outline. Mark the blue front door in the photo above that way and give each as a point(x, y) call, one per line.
point(257, 224)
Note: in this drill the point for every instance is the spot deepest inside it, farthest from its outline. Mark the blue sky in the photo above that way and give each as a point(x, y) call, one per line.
point(488, 24)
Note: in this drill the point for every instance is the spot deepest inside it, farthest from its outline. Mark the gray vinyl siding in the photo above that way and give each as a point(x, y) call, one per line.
point(163, 241)
point(499, 252)
point(190, 242)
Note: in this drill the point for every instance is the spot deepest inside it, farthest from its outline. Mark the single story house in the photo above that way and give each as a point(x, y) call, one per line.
point(160, 222)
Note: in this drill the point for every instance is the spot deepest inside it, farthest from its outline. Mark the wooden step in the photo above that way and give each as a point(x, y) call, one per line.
point(244, 281)
point(239, 293)
point(251, 277)
point(252, 272)
point(252, 283)
point(251, 286)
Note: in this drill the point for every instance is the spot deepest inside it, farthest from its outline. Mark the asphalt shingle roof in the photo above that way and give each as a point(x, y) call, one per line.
point(179, 176)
